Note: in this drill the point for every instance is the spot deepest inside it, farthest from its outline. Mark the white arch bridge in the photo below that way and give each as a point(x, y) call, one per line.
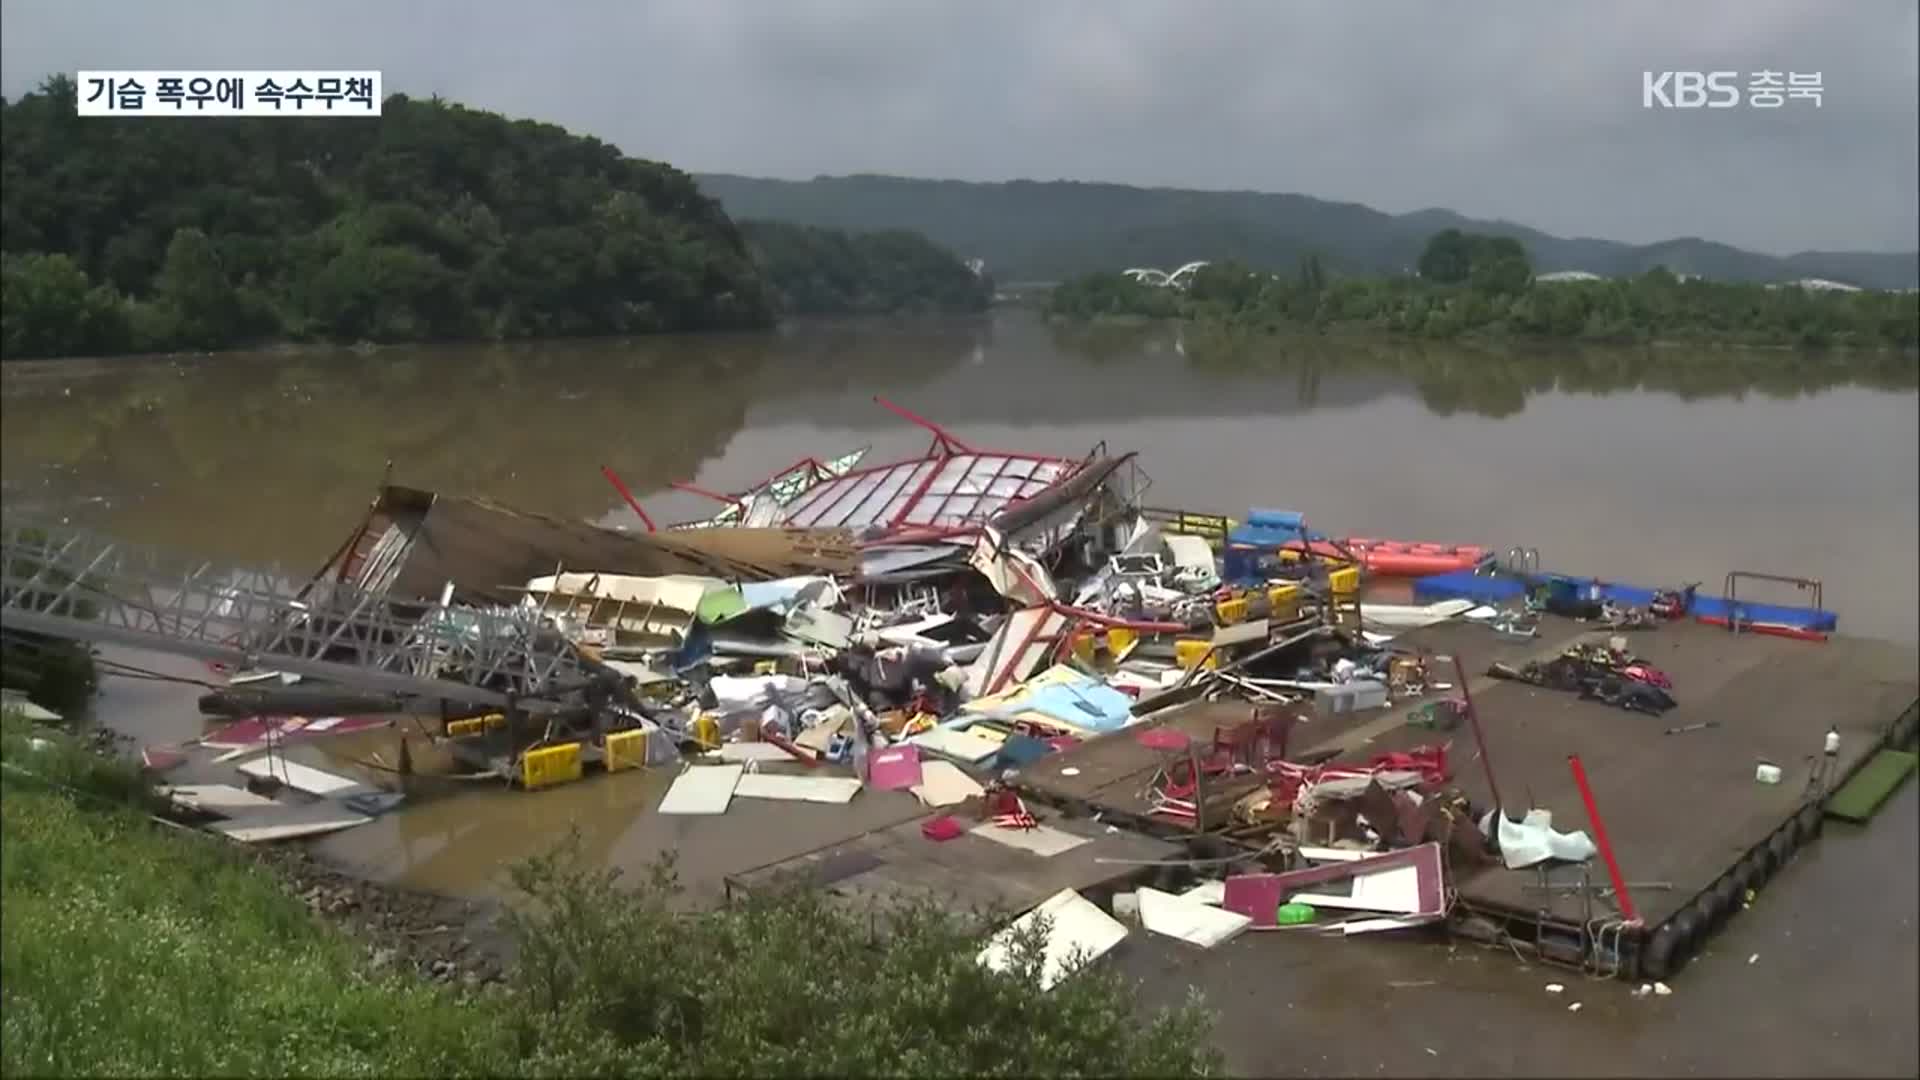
point(1179, 279)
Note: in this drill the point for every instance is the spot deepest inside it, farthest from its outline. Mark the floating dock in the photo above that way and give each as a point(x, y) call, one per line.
point(969, 873)
point(1683, 810)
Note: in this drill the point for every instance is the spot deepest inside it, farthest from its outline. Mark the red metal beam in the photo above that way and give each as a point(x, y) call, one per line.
point(934, 518)
point(1600, 838)
point(879, 488)
point(841, 484)
point(614, 479)
point(1479, 737)
point(921, 421)
point(934, 465)
point(832, 517)
point(986, 490)
point(1027, 641)
point(1074, 468)
point(682, 485)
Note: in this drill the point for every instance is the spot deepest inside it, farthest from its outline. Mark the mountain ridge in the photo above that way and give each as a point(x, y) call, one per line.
point(1054, 229)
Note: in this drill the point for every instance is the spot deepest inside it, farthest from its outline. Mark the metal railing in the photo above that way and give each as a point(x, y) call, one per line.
point(1730, 592)
point(82, 585)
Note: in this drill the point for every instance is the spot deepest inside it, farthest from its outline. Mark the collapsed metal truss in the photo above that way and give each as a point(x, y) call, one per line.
point(78, 584)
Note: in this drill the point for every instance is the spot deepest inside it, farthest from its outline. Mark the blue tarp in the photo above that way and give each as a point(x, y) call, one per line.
point(1492, 589)
point(1085, 703)
point(1272, 528)
point(1265, 532)
point(1093, 706)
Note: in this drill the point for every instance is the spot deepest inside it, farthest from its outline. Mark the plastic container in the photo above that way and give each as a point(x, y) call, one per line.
point(1285, 601)
point(1767, 774)
point(1192, 652)
point(1344, 581)
point(1294, 914)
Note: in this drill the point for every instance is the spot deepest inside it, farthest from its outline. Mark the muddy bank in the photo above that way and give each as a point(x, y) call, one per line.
point(442, 938)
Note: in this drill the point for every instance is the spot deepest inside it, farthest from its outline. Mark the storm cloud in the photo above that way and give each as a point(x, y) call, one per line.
point(1525, 111)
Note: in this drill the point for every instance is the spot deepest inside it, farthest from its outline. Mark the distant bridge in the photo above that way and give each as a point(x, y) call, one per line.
point(1179, 279)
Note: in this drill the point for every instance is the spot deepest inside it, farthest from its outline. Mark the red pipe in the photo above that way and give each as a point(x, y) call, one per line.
point(1747, 626)
point(921, 421)
point(627, 495)
point(1479, 736)
point(1600, 837)
point(682, 485)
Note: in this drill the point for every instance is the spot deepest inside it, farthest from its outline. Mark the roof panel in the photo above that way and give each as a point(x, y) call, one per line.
point(957, 510)
point(899, 504)
point(849, 512)
point(873, 508)
point(941, 490)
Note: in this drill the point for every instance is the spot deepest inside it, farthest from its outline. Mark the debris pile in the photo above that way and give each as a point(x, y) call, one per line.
point(970, 627)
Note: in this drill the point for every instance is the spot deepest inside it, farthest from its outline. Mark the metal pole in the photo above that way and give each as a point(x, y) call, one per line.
point(1479, 737)
point(920, 421)
point(1600, 836)
point(627, 495)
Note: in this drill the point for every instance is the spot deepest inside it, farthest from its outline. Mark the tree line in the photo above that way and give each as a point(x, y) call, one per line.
point(1054, 230)
point(1472, 285)
point(435, 222)
point(816, 271)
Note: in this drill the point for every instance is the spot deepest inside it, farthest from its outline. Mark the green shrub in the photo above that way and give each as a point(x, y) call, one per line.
point(790, 982)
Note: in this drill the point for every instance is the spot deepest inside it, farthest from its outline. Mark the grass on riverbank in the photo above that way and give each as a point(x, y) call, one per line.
point(131, 948)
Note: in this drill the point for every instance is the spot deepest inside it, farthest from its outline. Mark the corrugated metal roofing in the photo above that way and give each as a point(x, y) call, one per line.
point(940, 491)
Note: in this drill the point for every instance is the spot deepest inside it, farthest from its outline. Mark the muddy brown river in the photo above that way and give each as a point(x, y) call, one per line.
point(1662, 466)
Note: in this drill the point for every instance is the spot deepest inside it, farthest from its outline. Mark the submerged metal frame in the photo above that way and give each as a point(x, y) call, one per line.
point(908, 483)
point(83, 585)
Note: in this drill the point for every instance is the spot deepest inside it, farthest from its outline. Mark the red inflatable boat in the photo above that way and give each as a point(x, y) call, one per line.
point(1402, 558)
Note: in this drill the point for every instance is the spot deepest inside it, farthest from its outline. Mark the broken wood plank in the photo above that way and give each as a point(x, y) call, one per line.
point(220, 799)
point(299, 777)
point(1189, 920)
point(820, 789)
point(1077, 928)
point(702, 789)
point(288, 823)
point(1042, 840)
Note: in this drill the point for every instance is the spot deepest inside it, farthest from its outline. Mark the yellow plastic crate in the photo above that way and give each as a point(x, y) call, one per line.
point(626, 749)
point(1284, 600)
point(474, 725)
point(706, 731)
point(1233, 611)
point(1345, 581)
point(1120, 639)
point(1083, 647)
point(1190, 653)
point(550, 765)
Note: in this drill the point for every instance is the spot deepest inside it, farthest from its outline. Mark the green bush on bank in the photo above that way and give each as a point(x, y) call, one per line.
point(131, 948)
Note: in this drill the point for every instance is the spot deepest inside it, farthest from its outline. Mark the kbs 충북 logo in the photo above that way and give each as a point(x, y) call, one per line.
point(1723, 89)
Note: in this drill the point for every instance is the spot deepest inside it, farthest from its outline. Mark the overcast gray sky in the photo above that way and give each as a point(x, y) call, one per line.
point(1526, 111)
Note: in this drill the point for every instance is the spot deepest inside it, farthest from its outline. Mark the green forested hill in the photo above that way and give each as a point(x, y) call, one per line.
point(434, 222)
point(815, 271)
point(1027, 230)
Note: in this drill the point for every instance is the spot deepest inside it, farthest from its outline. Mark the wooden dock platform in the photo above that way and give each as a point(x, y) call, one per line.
point(968, 873)
point(1683, 809)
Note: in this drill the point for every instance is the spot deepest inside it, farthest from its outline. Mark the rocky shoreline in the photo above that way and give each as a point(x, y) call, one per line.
point(444, 939)
point(441, 938)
